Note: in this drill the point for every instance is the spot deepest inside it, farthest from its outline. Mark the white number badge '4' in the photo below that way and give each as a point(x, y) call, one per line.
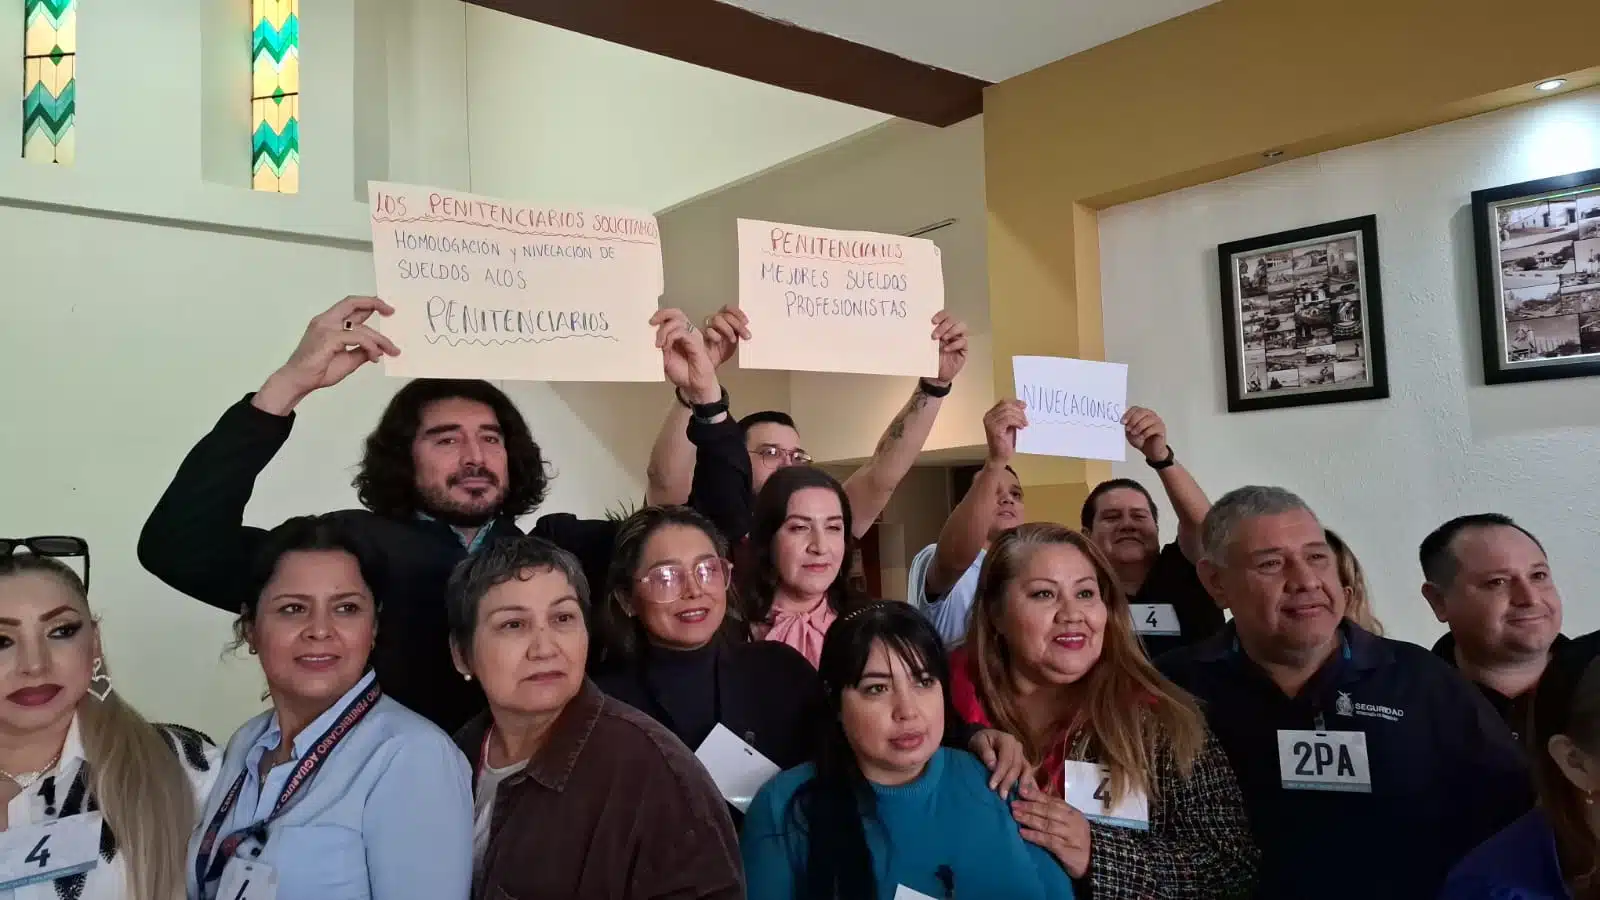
point(1324, 761)
point(1156, 619)
point(51, 850)
point(1089, 792)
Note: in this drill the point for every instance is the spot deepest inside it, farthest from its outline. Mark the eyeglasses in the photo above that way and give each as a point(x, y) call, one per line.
point(55, 546)
point(666, 583)
point(773, 453)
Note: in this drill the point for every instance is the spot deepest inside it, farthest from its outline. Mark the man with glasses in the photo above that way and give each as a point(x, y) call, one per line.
point(773, 439)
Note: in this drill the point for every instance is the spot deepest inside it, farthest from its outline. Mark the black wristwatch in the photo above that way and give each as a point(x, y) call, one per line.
point(934, 389)
point(1160, 464)
point(705, 412)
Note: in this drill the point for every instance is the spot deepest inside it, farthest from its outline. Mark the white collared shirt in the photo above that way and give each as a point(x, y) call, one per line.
point(64, 792)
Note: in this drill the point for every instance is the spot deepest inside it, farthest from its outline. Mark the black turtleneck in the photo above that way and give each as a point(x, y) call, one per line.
point(764, 692)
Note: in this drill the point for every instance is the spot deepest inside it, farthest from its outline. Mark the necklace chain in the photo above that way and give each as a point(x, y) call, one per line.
point(25, 780)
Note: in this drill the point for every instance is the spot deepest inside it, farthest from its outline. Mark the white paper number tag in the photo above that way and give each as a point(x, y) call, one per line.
point(737, 768)
point(1324, 761)
point(1156, 619)
point(904, 893)
point(243, 880)
point(1089, 792)
point(57, 849)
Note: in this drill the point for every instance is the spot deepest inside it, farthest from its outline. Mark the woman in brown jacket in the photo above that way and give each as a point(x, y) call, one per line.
point(576, 795)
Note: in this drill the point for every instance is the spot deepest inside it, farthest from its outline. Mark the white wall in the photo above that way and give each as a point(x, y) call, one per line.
point(1383, 473)
point(145, 291)
point(561, 117)
point(896, 178)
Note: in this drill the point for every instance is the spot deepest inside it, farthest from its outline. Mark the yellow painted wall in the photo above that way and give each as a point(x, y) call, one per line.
point(1202, 97)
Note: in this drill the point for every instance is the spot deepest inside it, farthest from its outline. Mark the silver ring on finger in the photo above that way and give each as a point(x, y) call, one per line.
point(349, 325)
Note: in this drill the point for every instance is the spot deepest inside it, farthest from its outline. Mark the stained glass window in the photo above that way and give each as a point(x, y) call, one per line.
point(49, 91)
point(275, 96)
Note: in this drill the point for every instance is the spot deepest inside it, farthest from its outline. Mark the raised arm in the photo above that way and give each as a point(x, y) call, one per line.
point(670, 474)
point(195, 539)
point(1148, 434)
point(870, 486)
point(720, 479)
point(966, 531)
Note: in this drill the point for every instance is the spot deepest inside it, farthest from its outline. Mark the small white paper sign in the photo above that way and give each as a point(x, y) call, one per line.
point(1088, 790)
point(1160, 619)
point(1075, 407)
point(485, 288)
point(738, 769)
point(820, 300)
point(34, 853)
point(904, 893)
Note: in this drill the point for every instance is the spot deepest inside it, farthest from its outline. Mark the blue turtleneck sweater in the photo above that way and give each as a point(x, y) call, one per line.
point(945, 835)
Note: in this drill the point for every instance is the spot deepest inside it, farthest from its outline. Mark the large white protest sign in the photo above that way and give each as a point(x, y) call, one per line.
point(1075, 407)
point(838, 301)
point(485, 288)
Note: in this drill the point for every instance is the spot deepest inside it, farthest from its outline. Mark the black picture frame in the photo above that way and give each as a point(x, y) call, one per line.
point(1538, 254)
point(1304, 305)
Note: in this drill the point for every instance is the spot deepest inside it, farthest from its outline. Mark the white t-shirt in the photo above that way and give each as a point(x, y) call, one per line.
point(483, 810)
point(950, 612)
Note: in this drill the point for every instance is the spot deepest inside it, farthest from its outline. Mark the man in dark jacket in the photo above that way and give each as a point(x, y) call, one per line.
point(1368, 767)
point(451, 465)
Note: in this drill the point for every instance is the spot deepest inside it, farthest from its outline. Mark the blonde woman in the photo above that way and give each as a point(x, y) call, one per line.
point(1132, 793)
point(99, 803)
point(1354, 581)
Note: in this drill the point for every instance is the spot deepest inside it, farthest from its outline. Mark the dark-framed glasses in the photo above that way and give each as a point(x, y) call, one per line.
point(667, 582)
point(774, 453)
point(56, 546)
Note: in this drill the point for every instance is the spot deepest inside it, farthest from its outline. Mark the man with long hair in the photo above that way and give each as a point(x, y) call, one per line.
point(451, 466)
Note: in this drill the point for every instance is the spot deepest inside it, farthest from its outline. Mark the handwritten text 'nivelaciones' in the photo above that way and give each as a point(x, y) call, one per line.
point(1058, 404)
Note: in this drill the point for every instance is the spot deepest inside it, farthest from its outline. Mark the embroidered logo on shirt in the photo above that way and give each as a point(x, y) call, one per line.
point(1344, 706)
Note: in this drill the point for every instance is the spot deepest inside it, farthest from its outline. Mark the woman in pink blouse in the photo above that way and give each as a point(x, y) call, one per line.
point(800, 549)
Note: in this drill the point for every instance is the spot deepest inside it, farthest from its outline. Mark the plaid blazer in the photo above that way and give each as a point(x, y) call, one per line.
point(1198, 847)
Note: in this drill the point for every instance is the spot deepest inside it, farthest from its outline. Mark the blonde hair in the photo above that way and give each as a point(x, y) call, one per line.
point(1354, 581)
point(1128, 709)
point(135, 775)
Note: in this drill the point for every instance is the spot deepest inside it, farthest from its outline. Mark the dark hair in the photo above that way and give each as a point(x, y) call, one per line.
point(1567, 701)
point(1439, 563)
point(766, 416)
point(830, 808)
point(326, 533)
point(621, 635)
point(387, 480)
point(759, 586)
point(1087, 514)
point(31, 563)
point(501, 561)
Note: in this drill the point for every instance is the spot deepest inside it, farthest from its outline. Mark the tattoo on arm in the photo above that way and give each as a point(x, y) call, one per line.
point(897, 428)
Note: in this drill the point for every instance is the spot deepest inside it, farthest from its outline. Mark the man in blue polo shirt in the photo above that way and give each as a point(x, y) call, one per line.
point(1368, 767)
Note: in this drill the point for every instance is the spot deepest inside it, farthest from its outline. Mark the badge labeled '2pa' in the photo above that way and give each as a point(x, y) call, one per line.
point(1324, 761)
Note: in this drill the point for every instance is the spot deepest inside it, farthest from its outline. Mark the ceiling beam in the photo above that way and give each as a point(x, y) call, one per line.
point(739, 42)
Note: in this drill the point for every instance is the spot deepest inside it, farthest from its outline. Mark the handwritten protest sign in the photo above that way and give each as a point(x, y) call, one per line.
point(485, 288)
point(1075, 407)
point(838, 301)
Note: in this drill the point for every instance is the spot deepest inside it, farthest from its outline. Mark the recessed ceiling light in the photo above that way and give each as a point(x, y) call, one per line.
point(1550, 85)
point(1273, 154)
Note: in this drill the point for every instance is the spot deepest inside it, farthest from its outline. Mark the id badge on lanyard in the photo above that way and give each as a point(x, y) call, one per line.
point(738, 769)
point(209, 867)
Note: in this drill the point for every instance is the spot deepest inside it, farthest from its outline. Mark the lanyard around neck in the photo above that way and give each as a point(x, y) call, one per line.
point(320, 751)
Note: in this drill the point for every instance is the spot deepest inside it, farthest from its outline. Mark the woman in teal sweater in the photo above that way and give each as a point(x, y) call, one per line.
point(883, 806)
